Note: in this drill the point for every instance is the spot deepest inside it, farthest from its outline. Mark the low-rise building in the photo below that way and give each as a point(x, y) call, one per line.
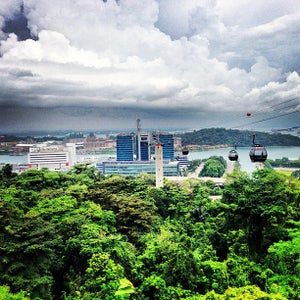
point(52, 157)
point(183, 161)
point(136, 167)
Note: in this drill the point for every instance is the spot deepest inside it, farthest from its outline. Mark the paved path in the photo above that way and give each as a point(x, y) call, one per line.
point(229, 168)
point(195, 174)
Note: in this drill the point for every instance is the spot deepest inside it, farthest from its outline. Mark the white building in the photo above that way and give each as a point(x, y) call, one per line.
point(52, 157)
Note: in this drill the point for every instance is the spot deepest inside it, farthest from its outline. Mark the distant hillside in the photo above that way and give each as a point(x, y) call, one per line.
point(217, 136)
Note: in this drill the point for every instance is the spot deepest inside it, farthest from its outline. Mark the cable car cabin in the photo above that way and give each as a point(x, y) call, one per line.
point(233, 155)
point(258, 153)
point(185, 151)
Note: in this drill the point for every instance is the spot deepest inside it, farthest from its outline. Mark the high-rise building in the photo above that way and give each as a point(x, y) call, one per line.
point(143, 151)
point(142, 143)
point(125, 147)
point(167, 140)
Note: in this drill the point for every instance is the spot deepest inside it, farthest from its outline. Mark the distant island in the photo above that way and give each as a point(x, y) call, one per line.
point(202, 139)
point(241, 138)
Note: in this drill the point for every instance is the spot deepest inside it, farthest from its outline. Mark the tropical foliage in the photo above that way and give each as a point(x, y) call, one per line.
point(240, 138)
point(214, 166)
point(79, 235)
point(193, 165)
point(285, 163)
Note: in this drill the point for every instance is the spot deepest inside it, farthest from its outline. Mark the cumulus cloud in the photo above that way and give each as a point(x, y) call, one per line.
point(9, 8)
point(150, 56)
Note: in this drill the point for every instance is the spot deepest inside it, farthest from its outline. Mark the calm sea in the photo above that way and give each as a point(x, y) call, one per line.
point(244, 160)
point(246, 164)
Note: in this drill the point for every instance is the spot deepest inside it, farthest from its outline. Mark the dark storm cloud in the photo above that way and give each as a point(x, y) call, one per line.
point(21, 73)
point(95, 118)
point(18, 24)
point(188, 61)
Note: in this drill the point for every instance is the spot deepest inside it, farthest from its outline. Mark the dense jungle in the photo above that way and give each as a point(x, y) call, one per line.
point(80, 235)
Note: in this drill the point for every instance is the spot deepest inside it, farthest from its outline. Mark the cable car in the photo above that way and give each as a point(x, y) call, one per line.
point(185, 151)
point(233, 155)
point(258, 153)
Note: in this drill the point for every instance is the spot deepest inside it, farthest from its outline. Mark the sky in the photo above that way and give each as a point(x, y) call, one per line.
point(94, 64)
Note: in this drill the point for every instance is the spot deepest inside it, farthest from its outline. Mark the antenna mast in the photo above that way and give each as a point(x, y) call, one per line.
point(138, 126)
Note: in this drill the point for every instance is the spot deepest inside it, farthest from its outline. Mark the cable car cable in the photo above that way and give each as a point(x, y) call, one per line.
point(280, 109)
point(265, 110)
point(269, 118)
point(258, 153)
point(278, 104)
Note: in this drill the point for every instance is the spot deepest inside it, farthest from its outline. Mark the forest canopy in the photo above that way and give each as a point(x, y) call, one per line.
point(240, 138)
point(80, 235)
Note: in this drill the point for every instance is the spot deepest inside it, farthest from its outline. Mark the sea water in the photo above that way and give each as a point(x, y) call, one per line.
point(244, 160)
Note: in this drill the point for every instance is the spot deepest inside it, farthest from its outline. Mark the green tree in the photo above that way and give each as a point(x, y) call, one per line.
point(166, 255)
point(134, 216)
point(218, 136)
point(284, 260)
point(7, 171)
point(243, 272)
point(87, 174)
point(193, 165)
point(6, 175)
point(123, 196)
point(79, 236)
point(116, 184)
point(214, 276)
point(154, 287)
point(261, 206)
point(296, 174)
point(249, 292)
point(101, 280)
point(20, 199)
point(214, 167)
point(28, 253)
point(5, 294)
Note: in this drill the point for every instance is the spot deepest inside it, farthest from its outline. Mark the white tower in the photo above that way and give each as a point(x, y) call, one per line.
point(159, 171)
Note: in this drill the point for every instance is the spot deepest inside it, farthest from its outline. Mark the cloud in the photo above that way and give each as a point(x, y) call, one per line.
point(274, 91)
point(248, 14)
point(9, 8)
point(150, 56)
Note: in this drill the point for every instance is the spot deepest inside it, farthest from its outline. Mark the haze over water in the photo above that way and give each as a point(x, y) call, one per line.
point(244, 160)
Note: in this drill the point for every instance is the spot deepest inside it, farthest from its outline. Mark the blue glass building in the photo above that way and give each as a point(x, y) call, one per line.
point(136, 167)
point(125, 147)
point(143, 146)
point(167, 140)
